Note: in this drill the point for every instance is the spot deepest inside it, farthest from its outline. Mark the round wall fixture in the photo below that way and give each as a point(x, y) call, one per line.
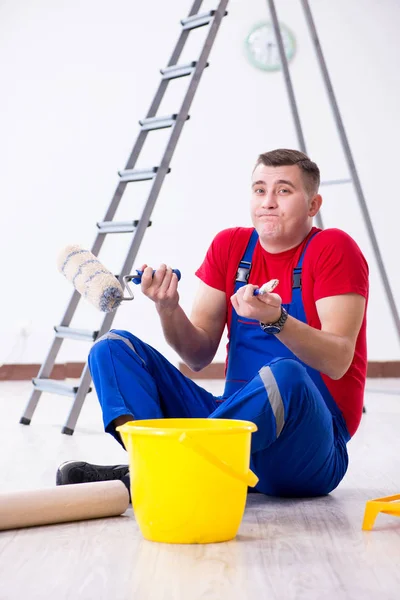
point(262, 48)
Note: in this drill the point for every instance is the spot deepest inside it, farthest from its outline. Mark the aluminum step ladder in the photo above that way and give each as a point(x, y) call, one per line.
point(354, 177)
point(157, 175)
point(194, 70)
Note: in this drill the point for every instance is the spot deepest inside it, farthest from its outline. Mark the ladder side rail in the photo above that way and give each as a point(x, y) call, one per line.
point(351, 164)
point(175, 134)
point(163, 169)
point(290, 90)
point(44, 372)
point(84, 382)
point(153, 195)
point(131, 162)
point(182, 39)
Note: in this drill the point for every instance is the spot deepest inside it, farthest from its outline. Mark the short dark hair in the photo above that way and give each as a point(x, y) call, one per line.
point(283, 157)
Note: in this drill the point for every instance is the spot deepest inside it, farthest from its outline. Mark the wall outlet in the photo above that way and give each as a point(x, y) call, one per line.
point(25, 329)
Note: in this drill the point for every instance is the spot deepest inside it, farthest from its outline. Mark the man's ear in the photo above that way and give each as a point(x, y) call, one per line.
point(315, 205)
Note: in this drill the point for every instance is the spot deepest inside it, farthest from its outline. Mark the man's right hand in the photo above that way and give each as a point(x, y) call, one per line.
point(162, 288)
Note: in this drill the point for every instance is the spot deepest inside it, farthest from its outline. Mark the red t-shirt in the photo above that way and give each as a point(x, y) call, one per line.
point(333, 265)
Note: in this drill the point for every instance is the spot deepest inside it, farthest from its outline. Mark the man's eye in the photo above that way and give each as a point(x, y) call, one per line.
point(259, 191)
point(283, 190)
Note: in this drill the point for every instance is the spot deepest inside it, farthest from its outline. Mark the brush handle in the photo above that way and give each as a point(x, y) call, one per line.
point(138, 278)
point(267, 287)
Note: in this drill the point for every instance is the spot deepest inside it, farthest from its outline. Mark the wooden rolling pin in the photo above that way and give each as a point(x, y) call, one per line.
point(63, 503)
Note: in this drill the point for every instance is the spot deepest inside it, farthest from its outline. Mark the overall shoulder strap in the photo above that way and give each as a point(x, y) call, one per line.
point(298, 268)
point(244, 267)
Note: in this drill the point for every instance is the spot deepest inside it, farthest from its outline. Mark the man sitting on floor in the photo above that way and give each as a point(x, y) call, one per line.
point(297, 359)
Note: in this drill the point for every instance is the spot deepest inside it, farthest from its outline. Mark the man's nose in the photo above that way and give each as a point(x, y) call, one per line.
point(269, 201)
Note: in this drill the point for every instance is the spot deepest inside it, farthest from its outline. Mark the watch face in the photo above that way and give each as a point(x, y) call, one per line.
point(271, 329)
point(262, 48)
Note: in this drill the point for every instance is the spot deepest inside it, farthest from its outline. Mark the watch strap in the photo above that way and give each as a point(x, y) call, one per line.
point(280, 322)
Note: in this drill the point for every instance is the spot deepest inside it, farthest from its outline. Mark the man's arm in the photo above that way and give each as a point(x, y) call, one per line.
point(329, 350)
point(196, 340)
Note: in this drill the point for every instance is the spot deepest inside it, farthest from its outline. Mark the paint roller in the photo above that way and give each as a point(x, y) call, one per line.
point(100, 287)
point(93, 281)
point(62, 504)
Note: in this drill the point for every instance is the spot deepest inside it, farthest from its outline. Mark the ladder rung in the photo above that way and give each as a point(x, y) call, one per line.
point(75, 334)
point(179, 70)
point(336, 181)
point(198, 20)
point(118, 226)
point(54, 387)
point(138, 174)
point(158, 122)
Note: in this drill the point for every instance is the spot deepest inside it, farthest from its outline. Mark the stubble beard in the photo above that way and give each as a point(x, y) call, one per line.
point(270, 229)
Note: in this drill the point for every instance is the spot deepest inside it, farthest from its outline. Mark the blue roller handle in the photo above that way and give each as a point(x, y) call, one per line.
point(138, 278)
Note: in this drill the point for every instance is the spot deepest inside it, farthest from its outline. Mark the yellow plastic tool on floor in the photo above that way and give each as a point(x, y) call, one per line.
point(189, 477)
point(389, 505)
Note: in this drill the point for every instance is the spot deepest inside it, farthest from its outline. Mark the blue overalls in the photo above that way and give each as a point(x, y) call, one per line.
point(299, 448)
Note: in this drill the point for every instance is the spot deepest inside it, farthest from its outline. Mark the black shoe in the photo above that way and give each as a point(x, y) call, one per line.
point(83, 472)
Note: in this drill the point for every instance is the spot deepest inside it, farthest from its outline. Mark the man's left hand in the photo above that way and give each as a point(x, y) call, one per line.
point(265, 308)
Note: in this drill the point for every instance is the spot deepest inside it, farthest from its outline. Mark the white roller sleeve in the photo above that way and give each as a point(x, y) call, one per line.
point(90, 278)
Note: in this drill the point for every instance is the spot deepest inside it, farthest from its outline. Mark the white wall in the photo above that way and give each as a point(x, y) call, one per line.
point(76, 77)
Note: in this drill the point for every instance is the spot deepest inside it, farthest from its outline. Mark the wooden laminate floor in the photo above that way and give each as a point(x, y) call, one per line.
point(286, 549)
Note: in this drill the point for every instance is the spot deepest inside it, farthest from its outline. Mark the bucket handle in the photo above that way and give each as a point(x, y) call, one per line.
point(248, 478)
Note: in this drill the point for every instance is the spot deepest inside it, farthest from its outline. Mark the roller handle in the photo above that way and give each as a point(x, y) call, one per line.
point(138, 277)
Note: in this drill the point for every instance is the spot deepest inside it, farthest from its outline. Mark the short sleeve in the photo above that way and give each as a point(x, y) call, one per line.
point(339, 265)
point(215, 264)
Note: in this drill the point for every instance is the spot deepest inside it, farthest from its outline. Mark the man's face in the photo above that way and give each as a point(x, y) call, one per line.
point(280, 207)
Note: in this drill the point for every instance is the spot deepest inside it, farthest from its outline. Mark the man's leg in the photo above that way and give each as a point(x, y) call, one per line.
point(132, 378)
point(133, 381)
point(298, 449)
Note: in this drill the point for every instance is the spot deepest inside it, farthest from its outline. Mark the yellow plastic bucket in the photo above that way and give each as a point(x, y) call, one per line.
point(189, 477)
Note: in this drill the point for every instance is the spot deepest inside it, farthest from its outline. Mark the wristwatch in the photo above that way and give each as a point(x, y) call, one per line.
point(276, 327)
